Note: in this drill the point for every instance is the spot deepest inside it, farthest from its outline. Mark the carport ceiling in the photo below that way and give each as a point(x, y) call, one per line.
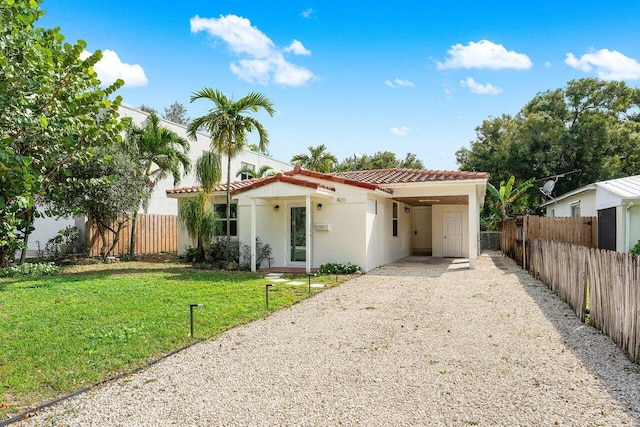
point(433, 200)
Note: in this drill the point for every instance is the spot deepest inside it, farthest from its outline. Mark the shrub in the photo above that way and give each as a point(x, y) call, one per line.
point(217, 252)
point(190, 254)
point(636, 249)
point(263, 253)
point(337, 268)
point(30, 269)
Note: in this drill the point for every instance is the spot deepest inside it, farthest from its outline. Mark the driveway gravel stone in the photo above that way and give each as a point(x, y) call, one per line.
point(423, 341)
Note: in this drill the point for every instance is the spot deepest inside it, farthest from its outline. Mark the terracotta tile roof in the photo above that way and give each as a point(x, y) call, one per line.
point(235, 185)
point(398, 175)
point(368, 179)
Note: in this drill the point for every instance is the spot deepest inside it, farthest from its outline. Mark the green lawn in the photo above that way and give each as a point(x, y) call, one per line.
point(61, 333)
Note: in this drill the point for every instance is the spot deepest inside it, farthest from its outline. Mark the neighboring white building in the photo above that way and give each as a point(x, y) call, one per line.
point(368, 218)
point(46, 228)
point(616, 203)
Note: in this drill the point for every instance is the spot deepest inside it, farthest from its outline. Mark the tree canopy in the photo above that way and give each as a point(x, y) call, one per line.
point(590, 125)
point(379, 160)
point(318, 159)
point(53, 114)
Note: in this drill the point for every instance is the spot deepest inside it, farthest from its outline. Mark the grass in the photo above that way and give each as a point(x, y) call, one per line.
point(62, 333)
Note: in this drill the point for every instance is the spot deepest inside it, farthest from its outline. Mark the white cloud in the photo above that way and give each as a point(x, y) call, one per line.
point(403, 131)
point(484, 54)
point(607, 64)
point(480, 89)
point(548, 64)
point(306, 13)
point(110, 68)
point(297, 48)
point(399, 83)
point(265, 62)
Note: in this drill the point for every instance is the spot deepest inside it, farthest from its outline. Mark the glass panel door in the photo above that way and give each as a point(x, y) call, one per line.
point(298, 234)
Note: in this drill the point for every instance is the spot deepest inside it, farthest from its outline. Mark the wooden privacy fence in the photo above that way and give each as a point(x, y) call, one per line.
point(581, 231)
point(610, 279)
point(154, 234)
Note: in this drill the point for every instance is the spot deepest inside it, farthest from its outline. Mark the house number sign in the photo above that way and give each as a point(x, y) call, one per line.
point(342, 199)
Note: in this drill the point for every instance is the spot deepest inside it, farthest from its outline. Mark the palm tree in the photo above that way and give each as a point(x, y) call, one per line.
point(264, 171)
point(160, 152)
point(318, 159)
point(197, 214)
point(228, 123)
point(506, 195)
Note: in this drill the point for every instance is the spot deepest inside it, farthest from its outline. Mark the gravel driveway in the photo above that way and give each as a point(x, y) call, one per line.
point(421, 342)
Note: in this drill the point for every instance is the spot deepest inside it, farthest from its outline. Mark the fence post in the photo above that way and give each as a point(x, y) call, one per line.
point(524, 249)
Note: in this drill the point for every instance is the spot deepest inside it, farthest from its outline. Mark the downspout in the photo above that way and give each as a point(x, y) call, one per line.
point(627, 227)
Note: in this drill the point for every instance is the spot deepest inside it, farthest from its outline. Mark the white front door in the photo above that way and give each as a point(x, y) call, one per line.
point(452, 235)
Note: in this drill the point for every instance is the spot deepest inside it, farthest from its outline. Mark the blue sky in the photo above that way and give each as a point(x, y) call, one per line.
point(359, 77)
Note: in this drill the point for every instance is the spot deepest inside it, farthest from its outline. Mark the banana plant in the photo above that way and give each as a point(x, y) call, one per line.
point(507, 194)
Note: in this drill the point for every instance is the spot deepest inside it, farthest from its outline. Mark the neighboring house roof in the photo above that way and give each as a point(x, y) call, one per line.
point(625, 188)
point(590, 187)
point(375, 179)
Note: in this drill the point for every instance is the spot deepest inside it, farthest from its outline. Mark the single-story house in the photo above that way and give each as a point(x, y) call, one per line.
point(615, 202)
point(368, 218)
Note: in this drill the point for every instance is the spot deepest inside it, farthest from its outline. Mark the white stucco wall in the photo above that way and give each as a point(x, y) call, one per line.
point(437, 218)
point(562, 208)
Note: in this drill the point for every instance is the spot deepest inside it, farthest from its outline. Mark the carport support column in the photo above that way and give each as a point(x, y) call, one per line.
point(308, 236)
point(474, 229)
point(253, 235)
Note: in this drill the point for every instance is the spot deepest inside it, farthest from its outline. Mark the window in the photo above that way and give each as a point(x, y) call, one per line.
point(575, 210)
point(221, 212)
point(395, 219)
point(245, 166)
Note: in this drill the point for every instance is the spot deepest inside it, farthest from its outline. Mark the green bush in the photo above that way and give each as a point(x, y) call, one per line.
point(30, 269)
point(217, 252)
point(263, 253)
point(636, 249)
point(337, 268)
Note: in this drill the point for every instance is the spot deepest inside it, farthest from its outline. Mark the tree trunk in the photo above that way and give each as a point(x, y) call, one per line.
point(132, 240)
point(228, 207)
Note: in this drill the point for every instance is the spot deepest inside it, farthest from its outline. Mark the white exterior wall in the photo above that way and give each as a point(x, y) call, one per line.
point(45, 229)
point(634, 234)
point(437, 218)
point(562, 208)
point(376, 219)
point(399, 246)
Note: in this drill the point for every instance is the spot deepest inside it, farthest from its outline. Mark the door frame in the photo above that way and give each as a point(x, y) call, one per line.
point(287, 242)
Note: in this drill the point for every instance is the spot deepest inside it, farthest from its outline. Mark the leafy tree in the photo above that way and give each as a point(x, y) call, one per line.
point(196, 214)
point(159, 152)
point(507, 194)
point(590, 125)
point(176, 113)
point(379, 160)
point(107, 189)
point(53, 113)
point(264, 171)
point(228, 123)
point(411, 161)
point(148, 109)
point(318, 159)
